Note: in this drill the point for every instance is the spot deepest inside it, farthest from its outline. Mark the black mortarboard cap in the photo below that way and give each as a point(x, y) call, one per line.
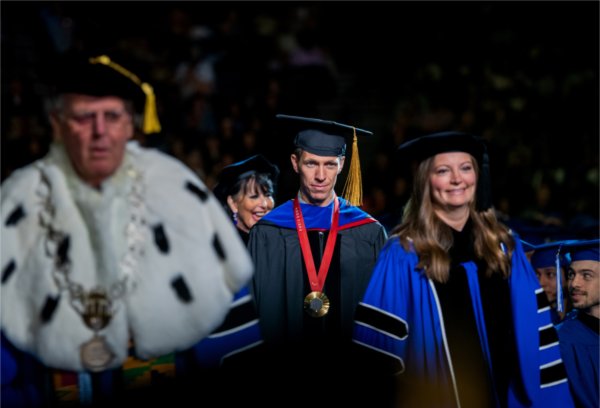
point(234, 172)
point(101, 76)
point(317, 136)
point(427, 146)
point(328, 138)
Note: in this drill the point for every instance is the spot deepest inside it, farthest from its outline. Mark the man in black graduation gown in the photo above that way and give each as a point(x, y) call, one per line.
point(313, 258)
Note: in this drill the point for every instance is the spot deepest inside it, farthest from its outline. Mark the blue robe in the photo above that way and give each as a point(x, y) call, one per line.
point(317, 218)
point(239, 334)
point(237, 339)
point(399, 320)
point(579, 346)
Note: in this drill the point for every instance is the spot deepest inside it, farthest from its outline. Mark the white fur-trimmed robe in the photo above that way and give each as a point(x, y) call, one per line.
point(187, 240)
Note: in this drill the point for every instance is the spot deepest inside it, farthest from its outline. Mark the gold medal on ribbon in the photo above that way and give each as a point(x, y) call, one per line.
point(96, 355)
point(316, 304)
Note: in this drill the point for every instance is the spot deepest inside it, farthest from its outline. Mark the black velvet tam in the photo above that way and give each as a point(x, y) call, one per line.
point(95, 75)
point(423, 147)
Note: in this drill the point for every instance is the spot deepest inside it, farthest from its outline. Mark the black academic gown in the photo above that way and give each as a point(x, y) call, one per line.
point(302, 346)
point(470, 369)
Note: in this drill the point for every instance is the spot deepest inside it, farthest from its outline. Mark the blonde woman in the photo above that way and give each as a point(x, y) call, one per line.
point(452, 306)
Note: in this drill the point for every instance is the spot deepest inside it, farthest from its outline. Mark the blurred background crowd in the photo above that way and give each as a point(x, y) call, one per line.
point(523, 75)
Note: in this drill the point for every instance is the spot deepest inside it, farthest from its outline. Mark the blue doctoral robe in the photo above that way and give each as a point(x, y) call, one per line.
point(237, 339)
point(239, 334)
point(399, 320)
point(579, 347)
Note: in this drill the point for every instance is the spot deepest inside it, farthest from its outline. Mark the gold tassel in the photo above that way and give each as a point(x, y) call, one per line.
point(353, 186)
point(151, 123)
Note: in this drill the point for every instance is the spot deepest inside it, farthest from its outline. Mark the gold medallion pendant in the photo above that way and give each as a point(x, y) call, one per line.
point(95, 354)
point(316, 304)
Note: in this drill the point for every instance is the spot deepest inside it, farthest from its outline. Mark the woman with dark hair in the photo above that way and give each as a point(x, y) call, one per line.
point(230, 354)
point(453, 306)
point(246, 190)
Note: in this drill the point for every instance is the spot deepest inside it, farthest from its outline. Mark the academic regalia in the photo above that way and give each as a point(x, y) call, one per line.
point(580, 331)
point(580, 348)
point(183, 271)
point(228, 357)
point(296, 340)
point(306, 313)
point(237, 339)
point(473, 380)
point(400, 325)
point(229, 354)
point(280, 283)
point(551, 255)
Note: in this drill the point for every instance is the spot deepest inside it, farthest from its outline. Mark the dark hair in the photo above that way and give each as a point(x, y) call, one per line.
point(262, 182)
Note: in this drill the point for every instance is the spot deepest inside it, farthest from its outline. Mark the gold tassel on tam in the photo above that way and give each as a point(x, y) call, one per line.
point(151, 123)
point(353, 186)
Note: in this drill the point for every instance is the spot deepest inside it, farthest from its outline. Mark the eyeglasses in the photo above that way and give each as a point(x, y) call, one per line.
point(87, 119)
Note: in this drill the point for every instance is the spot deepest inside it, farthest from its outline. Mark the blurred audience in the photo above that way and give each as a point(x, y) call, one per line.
point(222, 74)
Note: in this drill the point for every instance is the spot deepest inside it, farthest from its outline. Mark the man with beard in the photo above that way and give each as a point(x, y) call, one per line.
point(579, 332)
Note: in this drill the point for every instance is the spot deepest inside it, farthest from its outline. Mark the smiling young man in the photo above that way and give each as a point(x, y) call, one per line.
point(579, 333)
point(313, 257)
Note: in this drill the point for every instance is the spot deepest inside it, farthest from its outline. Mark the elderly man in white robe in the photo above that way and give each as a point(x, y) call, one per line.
point(113, 255)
